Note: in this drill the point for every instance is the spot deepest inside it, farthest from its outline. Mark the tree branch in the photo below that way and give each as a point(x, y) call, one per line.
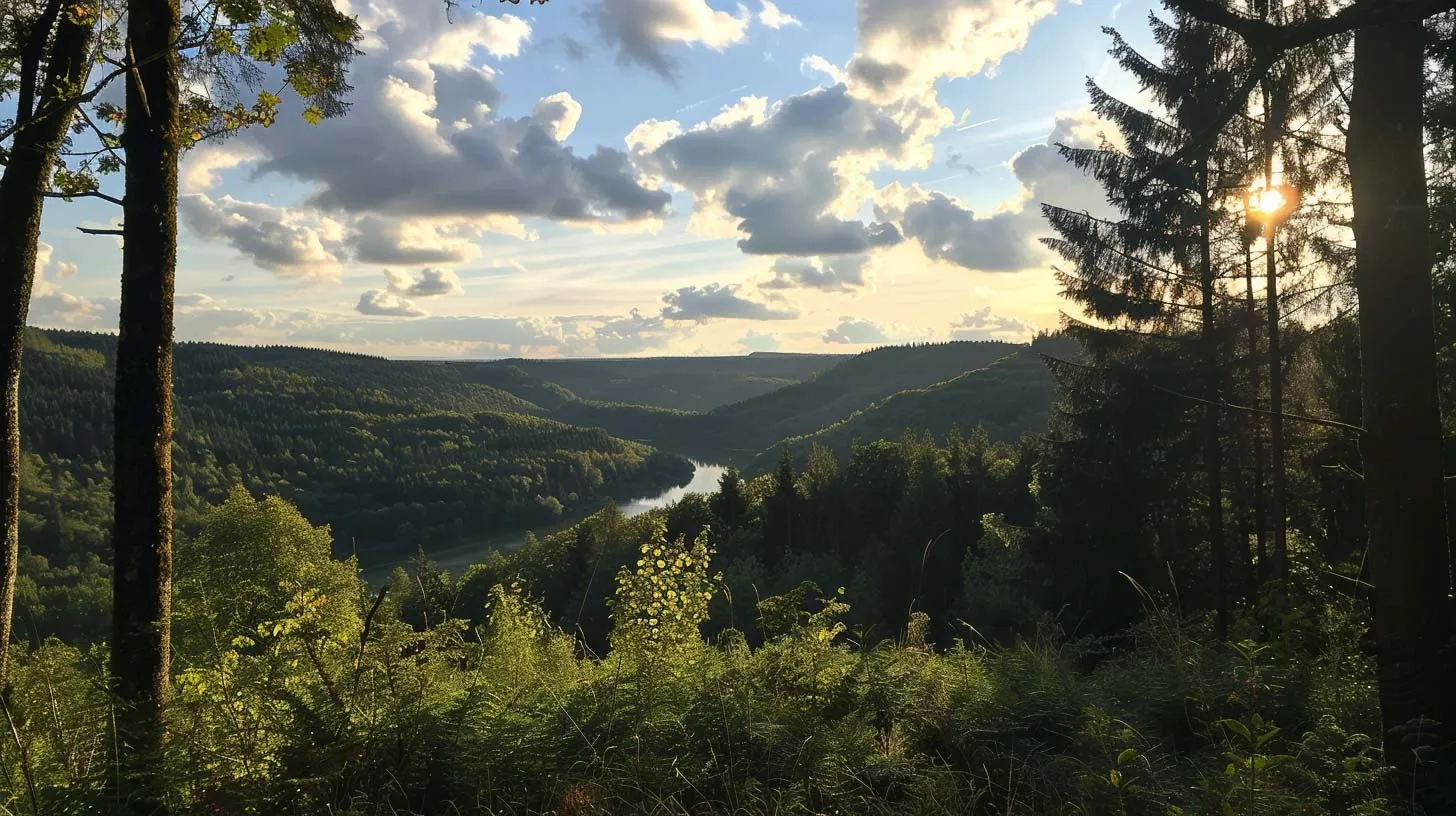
point(87, 194)
point(90, 231)
point(1280, 38)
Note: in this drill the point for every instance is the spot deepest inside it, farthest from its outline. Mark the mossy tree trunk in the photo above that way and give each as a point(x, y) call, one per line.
point(142, 567)
point(23, 184)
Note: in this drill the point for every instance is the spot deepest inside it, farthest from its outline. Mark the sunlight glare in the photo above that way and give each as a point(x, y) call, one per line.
point(1269, 201)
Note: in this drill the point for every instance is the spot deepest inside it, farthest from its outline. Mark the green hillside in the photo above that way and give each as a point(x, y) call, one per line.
point(393, 455)
point(1009, 397)
point(682, 383)
point(742, 429)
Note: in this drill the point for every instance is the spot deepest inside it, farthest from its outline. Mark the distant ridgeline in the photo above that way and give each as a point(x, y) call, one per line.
point(391, 454)
point(395, 455)
point(878, 394)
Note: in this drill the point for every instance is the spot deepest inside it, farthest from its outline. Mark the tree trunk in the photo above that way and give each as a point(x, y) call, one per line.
point(1212, 445)
point(1401, 447)
point(22, 187)
point(1256, 426)
point(142, 578)
point(1278, 509)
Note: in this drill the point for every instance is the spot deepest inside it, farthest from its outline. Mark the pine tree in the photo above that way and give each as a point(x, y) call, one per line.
point(1152, 274)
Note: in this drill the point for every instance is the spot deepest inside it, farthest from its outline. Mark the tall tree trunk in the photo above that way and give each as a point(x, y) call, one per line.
point(1279, 508)
point(22, 199)
point(142, 572)
point(1212, 445)
point(1401, 447)
point(1256, 426)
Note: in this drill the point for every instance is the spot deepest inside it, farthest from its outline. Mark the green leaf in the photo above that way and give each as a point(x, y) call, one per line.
point(1238, 728)
point(1126, 755)
point(313, 115)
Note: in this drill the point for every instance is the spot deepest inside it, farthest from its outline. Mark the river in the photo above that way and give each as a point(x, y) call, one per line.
point(454, 559)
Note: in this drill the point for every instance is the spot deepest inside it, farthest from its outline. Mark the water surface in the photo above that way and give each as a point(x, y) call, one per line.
point(456, 558)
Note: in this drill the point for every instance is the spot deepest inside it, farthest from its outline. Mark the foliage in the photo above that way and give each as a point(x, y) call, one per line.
point(320, 703)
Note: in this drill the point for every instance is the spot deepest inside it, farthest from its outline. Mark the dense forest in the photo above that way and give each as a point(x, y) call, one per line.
point(1190, 554)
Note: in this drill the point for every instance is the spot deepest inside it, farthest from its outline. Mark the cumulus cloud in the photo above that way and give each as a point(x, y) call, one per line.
point(790, 176)
point(643, 31)
point(813, 63)
point(853, 331)
point(559, 112)
point(703, 303)
point(904, 48)
point(947, 230)
point(1007, 239)
point(632, 334)
point(379, 240)
point(56, 309)
point(983, 325)
point(202, 168)
point(383, 303)
point(200, 317)
point(770, 16)
point(288, 243)
point(423, 137)
point(843, 273)
point(429, 283)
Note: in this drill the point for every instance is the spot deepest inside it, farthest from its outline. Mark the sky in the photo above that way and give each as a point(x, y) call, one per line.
point(639, 177)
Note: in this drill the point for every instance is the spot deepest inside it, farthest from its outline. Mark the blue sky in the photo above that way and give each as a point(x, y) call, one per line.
point(605, 177)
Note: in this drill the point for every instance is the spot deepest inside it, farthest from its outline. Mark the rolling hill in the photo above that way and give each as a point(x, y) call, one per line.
point(748, 426)
point(391, 454)
point(681, 383)
point(1009, 397)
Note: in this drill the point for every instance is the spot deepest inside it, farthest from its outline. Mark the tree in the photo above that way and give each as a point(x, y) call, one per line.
point(1154, 269)
point(142, 532)
point(53, 55)
point(1401, 442)
point(152, 139)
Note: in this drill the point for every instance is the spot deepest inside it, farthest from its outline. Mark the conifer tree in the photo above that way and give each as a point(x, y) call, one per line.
point(1154, 269)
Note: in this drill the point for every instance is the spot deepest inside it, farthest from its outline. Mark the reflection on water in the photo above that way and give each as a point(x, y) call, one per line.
point(455, 559)
point(705, 480)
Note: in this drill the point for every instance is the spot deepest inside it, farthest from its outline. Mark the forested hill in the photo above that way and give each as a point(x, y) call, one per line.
point(742, 429)
point(1009, 397)
point(679, 383)
point(391, 454)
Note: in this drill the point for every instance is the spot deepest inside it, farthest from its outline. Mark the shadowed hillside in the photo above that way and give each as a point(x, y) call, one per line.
point(742, 429)
point(1009, 397)
point(391, 454)
point(682, 383)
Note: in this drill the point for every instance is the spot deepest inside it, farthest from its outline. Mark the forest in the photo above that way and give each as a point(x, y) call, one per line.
point(1190, 554)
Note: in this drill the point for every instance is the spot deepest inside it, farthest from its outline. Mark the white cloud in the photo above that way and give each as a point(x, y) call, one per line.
point(560, 112)
point(429, 283)
point(386, 304)
point(289, 243)
point(643, 31)
point(423, 138)
point(770, 16)
point(814, 63)
point(717, 301)
point(904, 48)
point(983, 325)
point(841, 273)
point(201, 167)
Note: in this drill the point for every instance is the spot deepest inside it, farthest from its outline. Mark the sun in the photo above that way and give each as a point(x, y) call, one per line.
point(1271, 201)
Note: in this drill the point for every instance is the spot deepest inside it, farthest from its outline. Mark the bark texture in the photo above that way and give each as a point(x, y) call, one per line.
point(1405, 506)
point(22, 187)
point(142, 577)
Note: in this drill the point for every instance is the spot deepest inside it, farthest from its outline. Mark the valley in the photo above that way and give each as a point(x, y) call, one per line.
point(456, 458)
